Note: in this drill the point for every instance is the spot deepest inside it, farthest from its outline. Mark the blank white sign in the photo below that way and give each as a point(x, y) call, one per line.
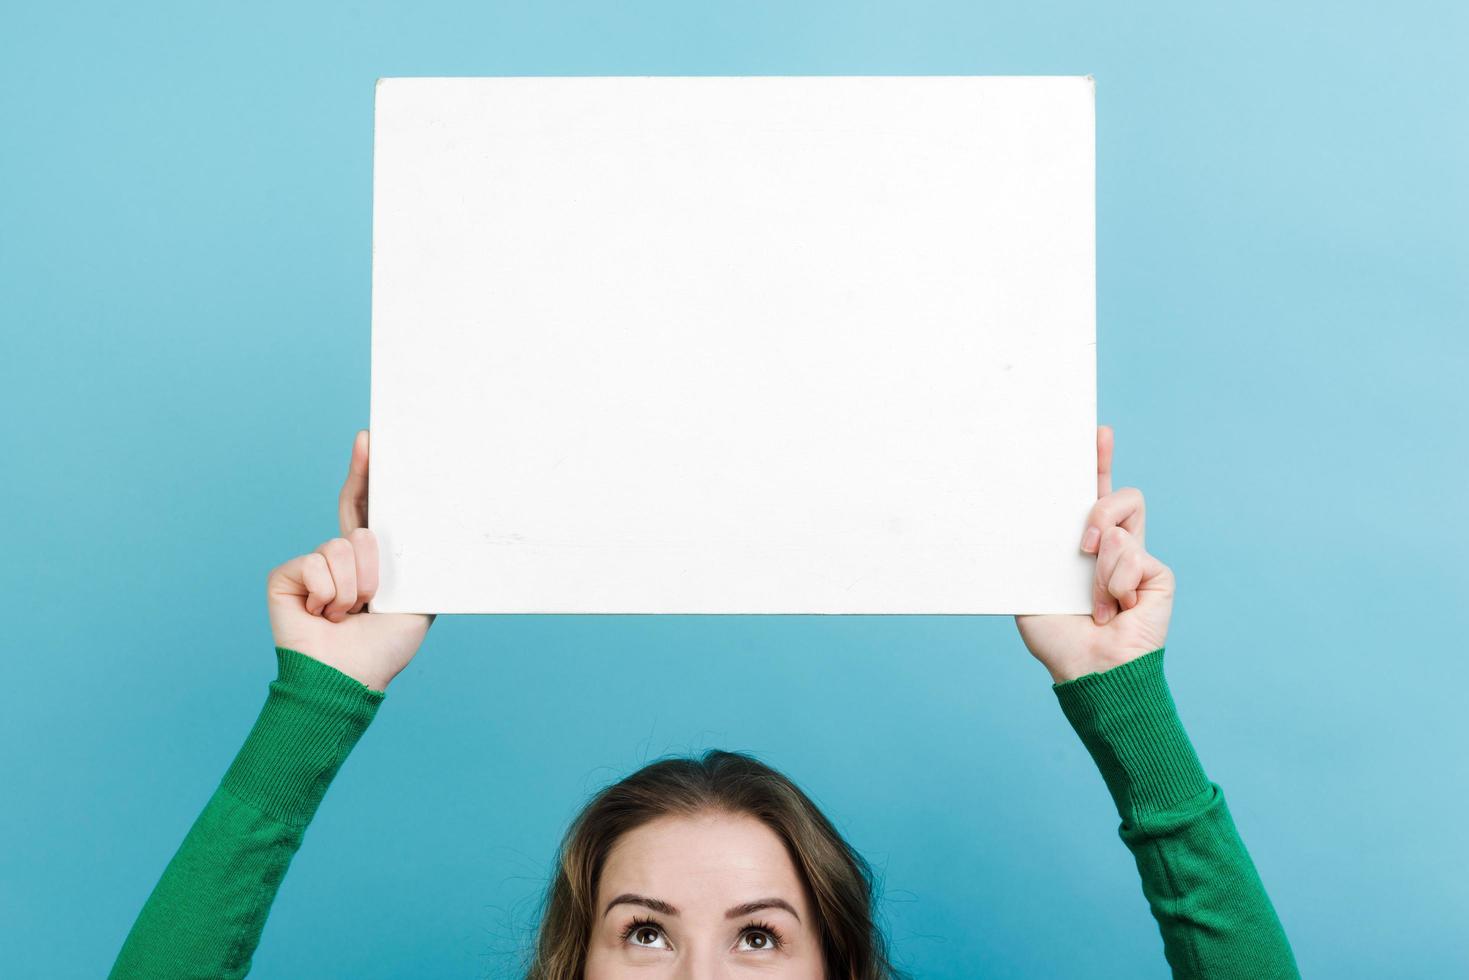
point(733, 345)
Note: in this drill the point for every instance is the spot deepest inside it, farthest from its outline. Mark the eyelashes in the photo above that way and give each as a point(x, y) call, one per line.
point(761, 936)
point(646, 933)
point(645, 929)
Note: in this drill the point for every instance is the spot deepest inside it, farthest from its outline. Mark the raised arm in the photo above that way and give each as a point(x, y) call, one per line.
point(335, 661)
point(1211, 907)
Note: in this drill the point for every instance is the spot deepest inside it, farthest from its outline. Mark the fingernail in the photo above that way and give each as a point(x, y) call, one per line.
point(1103, 615)
point(1090, 538)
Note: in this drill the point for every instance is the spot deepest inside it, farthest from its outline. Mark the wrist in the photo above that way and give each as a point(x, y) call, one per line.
point(1098, 662)
point(372, 677)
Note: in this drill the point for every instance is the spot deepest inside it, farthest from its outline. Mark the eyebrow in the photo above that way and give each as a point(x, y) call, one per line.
point(760, 904)
point(650, 903)
point(658, 905)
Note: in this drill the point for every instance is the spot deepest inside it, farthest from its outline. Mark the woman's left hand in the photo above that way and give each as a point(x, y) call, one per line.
point(1132, 592)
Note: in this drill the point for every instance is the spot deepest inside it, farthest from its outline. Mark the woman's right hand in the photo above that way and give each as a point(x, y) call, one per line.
point(316, 601)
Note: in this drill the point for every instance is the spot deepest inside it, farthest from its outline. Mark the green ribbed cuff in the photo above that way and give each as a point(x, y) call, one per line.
point(313, 716)
point(1128, 722)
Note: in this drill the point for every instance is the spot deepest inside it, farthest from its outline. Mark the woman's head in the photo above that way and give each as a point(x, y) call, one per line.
point(708, 867)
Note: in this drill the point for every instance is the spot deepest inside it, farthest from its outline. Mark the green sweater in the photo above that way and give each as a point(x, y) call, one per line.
point(205, 916)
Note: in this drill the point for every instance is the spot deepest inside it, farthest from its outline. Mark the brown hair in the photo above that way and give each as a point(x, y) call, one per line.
point(840, 882)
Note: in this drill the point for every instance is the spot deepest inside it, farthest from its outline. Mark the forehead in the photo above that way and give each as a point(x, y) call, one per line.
point(705, 861)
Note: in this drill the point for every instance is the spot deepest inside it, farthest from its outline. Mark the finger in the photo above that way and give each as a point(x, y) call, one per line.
point(1105, 440)
point(1122, 508)
point(320, 588)
point(342, 561)
point(364, 548)
point(1126, 576)
point(352, 502)
point(1115, 541)
point(1157, 577)
point(305, 576)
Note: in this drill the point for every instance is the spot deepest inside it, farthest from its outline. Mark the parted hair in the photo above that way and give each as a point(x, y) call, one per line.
point(838, 879)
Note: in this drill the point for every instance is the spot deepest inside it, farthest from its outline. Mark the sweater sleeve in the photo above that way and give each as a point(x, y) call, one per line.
point(206, 913)
point(1216, 919)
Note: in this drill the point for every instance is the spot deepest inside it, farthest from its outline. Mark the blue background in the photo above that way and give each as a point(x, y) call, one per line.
point(185, 220)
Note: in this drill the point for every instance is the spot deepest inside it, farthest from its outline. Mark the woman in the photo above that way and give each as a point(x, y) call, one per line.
point(716, 866)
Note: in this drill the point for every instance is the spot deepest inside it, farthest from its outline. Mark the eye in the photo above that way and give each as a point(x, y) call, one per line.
point(645, 934)
point(758, 938)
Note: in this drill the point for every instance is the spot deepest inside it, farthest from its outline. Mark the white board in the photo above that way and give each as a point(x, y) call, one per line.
point(733, 345)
